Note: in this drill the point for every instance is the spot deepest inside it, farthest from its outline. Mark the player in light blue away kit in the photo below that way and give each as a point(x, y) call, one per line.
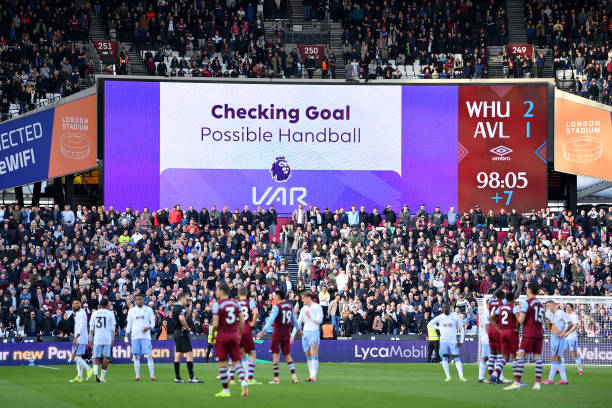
point(486, 349)
point(448, 323)
point(311, 317)
point(102, 333)
point(557, 324)
point(571, 336)
point(140, 321)
point(79, 344)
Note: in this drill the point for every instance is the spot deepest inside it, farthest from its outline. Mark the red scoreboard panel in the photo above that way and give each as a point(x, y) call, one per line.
point(502, 147)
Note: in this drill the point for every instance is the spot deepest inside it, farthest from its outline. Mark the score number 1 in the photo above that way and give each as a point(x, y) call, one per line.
point(528, 114)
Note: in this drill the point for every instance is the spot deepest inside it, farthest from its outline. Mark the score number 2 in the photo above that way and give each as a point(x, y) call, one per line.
point(528, 114)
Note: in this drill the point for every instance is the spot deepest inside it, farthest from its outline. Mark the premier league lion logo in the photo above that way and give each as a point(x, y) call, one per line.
point(280, 170)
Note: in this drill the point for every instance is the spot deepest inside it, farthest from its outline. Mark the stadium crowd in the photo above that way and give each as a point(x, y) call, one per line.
point(578, 34)
point(372, 272)
point(39, 53)
point(228, 40)
point(438, 38)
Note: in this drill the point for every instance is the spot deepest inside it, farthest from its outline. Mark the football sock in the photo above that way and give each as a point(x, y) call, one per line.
point(79, 369)
point(95, 368)
point(491, 365)
point(499, 367)
point(538, 369)
point(223, 377)
point(291, 368)
point(275, 370)
point(177, 370)
point(103, 374)
point(481, 369)
point(445, 366)
point(137, 366)
point(310, 366)
point(553, 370)
point(85, 366)
point(518, 369)
point(239, 371)
point(579, 362)
point(459, 367)
point(231, 373)
point(190, 369)
point(151, 366)
point(315, 363)
point(251, 370)
point(82, 365)
point(562, 372)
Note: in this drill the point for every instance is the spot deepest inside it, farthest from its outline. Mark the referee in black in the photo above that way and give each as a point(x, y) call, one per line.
point(182, 342)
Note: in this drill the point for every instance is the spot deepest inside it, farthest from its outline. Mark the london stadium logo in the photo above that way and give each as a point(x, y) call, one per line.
point(281, 171)
point(501, 153)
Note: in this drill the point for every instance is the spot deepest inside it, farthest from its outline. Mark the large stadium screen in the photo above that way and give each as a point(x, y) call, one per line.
point(205, 143)
point(583, 133)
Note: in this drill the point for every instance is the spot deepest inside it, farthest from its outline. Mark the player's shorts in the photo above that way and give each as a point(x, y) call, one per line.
point(509, 342)
point(486, 350)
point(571, 345)
point(449, 349)
point(101, 350)
point(246, 342)
point(277, 345)
point(494, 340)
point(309, 338)
point(79, 349)
point(228, 348)
point(182, 342)
point(141, 347)
point(531, 345)
point(557, 345)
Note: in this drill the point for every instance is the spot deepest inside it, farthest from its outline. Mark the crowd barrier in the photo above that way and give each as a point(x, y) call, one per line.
point(338, 351)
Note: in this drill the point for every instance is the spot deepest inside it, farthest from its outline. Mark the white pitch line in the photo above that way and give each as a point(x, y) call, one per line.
point(50, 368)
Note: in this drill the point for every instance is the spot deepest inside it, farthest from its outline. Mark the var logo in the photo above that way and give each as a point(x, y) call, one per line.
point(280, 195)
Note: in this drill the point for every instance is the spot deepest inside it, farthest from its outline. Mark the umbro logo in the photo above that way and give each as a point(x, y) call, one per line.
point(501, 153)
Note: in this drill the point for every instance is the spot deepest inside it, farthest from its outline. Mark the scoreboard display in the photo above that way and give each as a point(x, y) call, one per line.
point(502, 147)
point(330, 145)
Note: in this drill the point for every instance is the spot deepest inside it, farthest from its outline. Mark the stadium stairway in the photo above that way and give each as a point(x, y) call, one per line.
point(515, 11)
point(335, 46)
point(292, 267)
point(548, 62)
point(96, 29)
point(136, 64)
point(495, 66)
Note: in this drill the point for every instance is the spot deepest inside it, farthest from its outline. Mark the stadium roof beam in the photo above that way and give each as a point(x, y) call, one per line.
point(594, 200)
point(595, 188)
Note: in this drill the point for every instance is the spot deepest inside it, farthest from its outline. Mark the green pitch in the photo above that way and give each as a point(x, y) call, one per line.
point(339, 385)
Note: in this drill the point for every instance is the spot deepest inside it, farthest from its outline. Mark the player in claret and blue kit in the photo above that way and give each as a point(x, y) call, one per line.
point(228, 322)
point(494, 336)
point(531, 317)
point(282, 317)
point(249, 311)
point(507, 324)
point(449, 323)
